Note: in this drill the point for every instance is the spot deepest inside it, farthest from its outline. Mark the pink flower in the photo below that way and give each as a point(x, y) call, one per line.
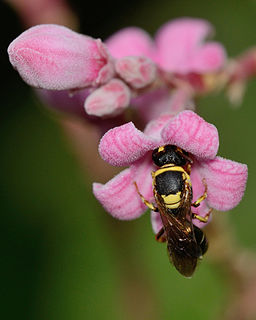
point(179, 46)
point(128, 146)
point(57, 58)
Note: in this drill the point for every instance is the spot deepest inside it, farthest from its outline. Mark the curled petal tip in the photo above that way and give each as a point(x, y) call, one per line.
point(226, 180)
point(193, 134)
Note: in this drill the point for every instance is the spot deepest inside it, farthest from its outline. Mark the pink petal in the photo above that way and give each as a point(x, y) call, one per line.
point(125, 144)
point(209, 57)
point(226, 181)
point(139, 72)
point(119, 196)
point(193, 134)
point(176, 42)
point(154, 127)
point(57, 58)
point(130, 41)
point(198, 191)
point(156, 222)
point(110, 99)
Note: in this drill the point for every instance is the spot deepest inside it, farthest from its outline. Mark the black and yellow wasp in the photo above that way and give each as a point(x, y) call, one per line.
point(186, 243)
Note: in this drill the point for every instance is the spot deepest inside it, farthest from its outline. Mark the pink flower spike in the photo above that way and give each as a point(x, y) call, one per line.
point(130, 41)
point(57, 58)
point(109, 100)
point(193, 134)
point(226, 181)
point(180, 47)
point(123, 145)
point(137, 71)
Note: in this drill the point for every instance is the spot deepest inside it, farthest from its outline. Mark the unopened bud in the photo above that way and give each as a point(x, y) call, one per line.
point(137, 71)
point(108, 100)
point(54, 57)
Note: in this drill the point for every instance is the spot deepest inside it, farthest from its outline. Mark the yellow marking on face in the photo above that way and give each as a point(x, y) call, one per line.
point(179, 150)
point(172, 201)
point(161, 149)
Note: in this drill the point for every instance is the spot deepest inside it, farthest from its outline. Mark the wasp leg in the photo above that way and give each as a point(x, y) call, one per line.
point(160, 236)
point(150, 205)
point(202, 219)
point(200, 199)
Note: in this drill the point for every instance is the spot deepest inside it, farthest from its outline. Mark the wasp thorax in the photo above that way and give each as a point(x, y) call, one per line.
point(169, 154)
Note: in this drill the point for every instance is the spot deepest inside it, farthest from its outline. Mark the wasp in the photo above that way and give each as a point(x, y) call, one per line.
point(186, 243)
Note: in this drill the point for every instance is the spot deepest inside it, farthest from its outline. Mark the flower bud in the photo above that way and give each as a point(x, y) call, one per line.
point(108, 100)
point(54, 57)
point(137, 71)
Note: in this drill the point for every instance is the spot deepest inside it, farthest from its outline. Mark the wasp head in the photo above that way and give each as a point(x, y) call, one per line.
point(170, 154)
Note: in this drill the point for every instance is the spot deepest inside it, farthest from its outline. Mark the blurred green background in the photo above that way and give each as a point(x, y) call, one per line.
point(62, 256)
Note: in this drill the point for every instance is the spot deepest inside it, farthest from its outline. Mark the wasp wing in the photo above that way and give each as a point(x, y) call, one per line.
point(182, 247)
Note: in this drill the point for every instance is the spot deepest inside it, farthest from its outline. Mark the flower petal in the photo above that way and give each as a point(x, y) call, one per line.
point(193, 134)
point(154, 127)
point(226, 181)
point(125, 144)
point(119, 196)
point(209, 57)
point(198, 190)
point(176, 42)
point(130, 41)
point(57, 58)
point(156, 221)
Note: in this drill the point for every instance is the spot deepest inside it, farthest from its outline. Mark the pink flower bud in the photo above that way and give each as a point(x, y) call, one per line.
point(108, 100)
point(137, 71)
point(55, 57)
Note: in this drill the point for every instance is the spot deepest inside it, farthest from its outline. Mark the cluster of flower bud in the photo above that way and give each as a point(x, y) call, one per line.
point(127, 65)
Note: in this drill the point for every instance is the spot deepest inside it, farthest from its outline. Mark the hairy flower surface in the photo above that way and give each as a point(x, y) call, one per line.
point(54, 57)
point(128, 146)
